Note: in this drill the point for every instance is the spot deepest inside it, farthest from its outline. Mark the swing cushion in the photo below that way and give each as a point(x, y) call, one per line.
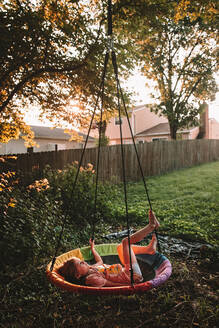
point(158, 270)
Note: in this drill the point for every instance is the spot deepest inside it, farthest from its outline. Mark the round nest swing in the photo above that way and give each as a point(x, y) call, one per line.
point(156, 268)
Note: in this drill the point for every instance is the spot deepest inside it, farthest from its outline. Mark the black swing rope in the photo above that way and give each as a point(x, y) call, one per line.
point(101, 95)
point(136, 152)
point(126, 112)
point(99, 140)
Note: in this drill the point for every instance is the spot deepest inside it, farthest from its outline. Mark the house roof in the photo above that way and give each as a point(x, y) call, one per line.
point(161, 129)
point(46, 132)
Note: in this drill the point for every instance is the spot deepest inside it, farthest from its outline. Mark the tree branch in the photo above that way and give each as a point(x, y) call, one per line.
point(44, 70)
point(185, 65)
point(20, 85)
point(192, 90)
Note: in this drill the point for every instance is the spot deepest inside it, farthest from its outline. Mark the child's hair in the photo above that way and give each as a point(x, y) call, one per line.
point(68, 271)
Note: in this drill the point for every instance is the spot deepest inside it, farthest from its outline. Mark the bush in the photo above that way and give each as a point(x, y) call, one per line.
point(33, 216)
point(78, 199)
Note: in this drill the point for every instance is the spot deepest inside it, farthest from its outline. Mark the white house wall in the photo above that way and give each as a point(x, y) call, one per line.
point(13, 147)
point(17, 146)
point(49, 145)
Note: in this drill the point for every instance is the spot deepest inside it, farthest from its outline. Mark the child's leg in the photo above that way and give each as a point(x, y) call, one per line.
point(149, 249)
point(138, 236)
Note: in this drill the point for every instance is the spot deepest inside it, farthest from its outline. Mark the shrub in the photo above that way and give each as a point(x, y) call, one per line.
point(33, 216)
point(78, 202)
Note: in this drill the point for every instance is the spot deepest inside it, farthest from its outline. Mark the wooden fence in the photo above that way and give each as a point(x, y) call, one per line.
point(155, 157)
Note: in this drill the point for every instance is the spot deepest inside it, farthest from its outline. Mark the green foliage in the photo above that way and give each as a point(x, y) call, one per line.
point(32, 217)
point(77, 197)
point(104, 141)
point(27, 229)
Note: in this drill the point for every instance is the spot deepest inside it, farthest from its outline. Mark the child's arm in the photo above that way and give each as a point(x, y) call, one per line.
point(97, 257)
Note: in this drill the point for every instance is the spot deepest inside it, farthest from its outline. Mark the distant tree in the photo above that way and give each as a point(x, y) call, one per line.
point(181, 59)
point(179, 55)
point(51, 55)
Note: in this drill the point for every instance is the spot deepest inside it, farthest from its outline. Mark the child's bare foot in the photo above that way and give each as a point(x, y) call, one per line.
point(153, 220)
point(152, 247)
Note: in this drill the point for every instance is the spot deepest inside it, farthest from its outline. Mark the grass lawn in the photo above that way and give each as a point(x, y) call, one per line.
point(186, 202)
point(187, 205)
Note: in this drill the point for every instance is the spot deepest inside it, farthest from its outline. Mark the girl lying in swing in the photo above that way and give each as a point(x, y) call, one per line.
point(104, 275)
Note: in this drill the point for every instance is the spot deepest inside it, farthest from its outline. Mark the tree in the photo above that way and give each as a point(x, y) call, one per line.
point(52, 56)
point(181, 59)
point(178, 55)
point(47, 48)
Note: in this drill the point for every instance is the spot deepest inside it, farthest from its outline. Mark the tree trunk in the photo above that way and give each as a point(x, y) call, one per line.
point(173, 131)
